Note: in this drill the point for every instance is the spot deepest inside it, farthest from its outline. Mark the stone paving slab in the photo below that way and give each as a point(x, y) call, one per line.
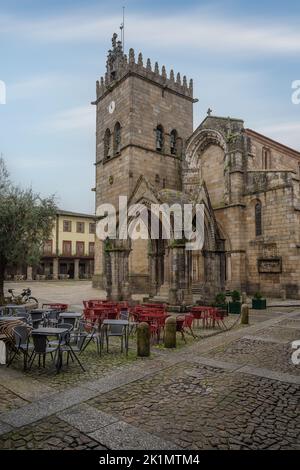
point(267, 373)
point(35, 411)
point(24, 386)
point(9, 400)
point(86, 418)
point(230, 366)
point(123, 436)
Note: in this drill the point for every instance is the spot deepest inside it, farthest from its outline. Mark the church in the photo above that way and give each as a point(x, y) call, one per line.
point(148, 150)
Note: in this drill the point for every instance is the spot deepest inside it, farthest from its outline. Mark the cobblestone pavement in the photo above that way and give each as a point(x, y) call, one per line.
point(199, 407)
point(49, 434)
point(258, 353)
point(236, 390)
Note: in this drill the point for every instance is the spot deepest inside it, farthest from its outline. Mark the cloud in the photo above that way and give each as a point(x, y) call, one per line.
point(286, 133)
point(33, 86)
point(194, 30)
point(73, 119)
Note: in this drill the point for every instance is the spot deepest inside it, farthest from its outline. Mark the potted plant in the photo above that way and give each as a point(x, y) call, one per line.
point(235, 304)
point(220, 301)
point(258, 302)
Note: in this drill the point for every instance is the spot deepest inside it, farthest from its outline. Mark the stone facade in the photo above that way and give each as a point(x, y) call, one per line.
point(146, 150)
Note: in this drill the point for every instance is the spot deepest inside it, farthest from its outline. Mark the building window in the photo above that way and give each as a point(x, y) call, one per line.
point(117, 138)
point(266, 158)
point(80, 248)
point(48, 247)
point(67, 248)
point(159, 138)
point(80, 227)
point(67, 226)
point(173, 142)
point(258, 219)
point(91, 248)
point(92, 227)
point(107, 144)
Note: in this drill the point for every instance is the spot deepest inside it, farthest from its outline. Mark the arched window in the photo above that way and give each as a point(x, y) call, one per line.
point(173, 142)
point(107, 144)
point(117, 138)
point(258, 219)
point(159, 138)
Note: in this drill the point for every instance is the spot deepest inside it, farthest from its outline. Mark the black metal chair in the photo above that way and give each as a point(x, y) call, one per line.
point(22, 345)
point(36, 317)
point(72, 348)
point(52, 318)
point(113, 331)
point(70, 321)
point(63, 336)
point(92, 334)
point(41, 348)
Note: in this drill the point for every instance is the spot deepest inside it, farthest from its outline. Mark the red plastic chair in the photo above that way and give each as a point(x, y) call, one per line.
point(188, 323)
point(217, 317)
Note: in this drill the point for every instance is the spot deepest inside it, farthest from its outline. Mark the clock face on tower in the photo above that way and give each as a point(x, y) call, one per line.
point(111, 107)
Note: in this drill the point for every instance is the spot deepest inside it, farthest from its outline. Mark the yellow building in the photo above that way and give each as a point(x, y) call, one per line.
point(69, 254)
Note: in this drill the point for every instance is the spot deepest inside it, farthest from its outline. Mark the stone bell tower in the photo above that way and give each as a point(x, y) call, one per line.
point(144, 118)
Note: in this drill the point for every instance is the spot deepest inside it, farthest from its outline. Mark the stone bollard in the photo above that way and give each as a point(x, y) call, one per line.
point(170, 332)
point(143, 339)
point(244, 297)
point(245, 315)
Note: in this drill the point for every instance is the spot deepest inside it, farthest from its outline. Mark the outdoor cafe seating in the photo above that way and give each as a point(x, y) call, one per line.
point(63, 335)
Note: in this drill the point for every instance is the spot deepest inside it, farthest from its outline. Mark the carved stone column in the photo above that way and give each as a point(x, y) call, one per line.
point(153, 273)
point(99, 275)
point(181, 275)
point(119, 288)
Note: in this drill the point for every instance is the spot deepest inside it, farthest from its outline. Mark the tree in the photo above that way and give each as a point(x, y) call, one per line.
point(26, 222)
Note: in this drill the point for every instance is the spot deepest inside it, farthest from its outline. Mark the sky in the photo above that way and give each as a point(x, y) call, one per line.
point(243, 57)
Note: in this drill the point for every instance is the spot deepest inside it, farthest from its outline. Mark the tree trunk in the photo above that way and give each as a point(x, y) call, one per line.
point(2, 271)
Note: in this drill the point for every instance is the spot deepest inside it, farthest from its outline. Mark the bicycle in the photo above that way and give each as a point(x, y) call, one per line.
point(25, 296)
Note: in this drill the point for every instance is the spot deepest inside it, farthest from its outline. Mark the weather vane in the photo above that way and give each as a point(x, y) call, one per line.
point(122, 28)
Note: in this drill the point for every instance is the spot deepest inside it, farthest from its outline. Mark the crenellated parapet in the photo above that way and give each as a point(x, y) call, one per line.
point(118, 65)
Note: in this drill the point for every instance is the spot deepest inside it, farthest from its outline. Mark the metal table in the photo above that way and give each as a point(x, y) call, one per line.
point(45, 331)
